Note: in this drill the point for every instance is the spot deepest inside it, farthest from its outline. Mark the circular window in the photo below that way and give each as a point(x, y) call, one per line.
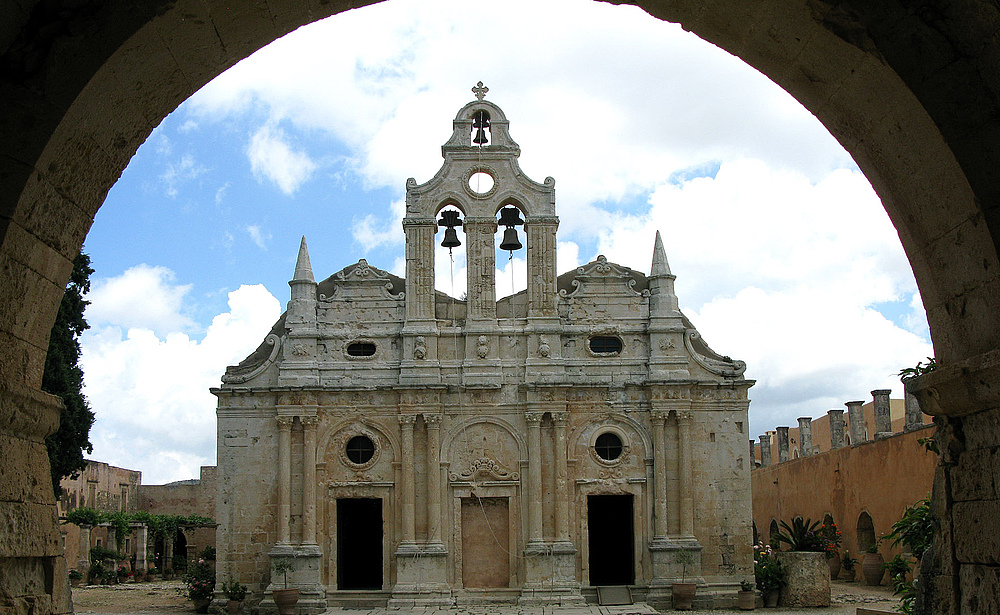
point(608, 446)
point(360, 449)
point(481, 182)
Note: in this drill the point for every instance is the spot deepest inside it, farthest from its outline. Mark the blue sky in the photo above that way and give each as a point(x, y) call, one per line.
point(784, 256)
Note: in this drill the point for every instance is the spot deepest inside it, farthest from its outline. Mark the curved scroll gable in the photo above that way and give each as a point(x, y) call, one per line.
point(248, 370)
point(714, 363)
point(361, 280)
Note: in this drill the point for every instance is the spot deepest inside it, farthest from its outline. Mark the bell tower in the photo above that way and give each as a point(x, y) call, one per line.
point(481, 179)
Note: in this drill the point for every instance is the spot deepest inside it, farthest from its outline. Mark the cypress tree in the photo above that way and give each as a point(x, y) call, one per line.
point(64, 377)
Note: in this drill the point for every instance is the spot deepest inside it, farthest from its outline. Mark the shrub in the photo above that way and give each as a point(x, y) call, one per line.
point(915, 530)
point(802, 535)
point(234, 591)
point(200, 579)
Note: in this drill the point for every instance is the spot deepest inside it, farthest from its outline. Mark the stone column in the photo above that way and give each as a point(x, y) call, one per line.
point(112, 538)
point(309, 480)
point(805, 436)
point(284, 479)
point(141, 556)
point(660, 525)
point(883, 418)
point(765, 450)
point(782, 444)
point(541, 261)
point(856, 421)
point(914, 416)
point(836, 428)
point(534, 419)
point(406, 424)
point(560, 478)
point(419, 268)
point(83, 564)
point(168, 554)
point(481, 265)
point(685, 473)
point(433, 422)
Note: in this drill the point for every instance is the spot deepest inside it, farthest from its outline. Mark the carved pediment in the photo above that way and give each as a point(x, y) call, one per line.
point(601, 277)
point(361, 281)
point(486, 468)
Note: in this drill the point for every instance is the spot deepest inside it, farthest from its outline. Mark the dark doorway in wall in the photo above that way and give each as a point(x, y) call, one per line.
point(611, 538)
point(359, 543)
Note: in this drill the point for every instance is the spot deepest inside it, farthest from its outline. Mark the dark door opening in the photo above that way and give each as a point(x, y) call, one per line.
point(611, 539)
point(359, 543)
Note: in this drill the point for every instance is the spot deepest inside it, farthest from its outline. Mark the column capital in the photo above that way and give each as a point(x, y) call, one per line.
point(407, 419)
point(685, 417)
point(659, 415)
point(559, 418)
point(309, 422)
point(285, 422)
point(534, 419)
point(433, 421)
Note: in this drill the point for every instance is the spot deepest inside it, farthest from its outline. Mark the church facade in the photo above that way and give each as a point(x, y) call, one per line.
point(399, 446)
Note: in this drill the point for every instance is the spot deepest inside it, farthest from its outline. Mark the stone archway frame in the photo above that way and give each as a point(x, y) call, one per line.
point(132, 65)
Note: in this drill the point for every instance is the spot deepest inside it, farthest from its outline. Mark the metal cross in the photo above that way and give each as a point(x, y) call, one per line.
point(480, 90)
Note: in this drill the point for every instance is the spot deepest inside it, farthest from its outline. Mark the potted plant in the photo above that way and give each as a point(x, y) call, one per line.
point(152, 572)
point(807, 574)
point(769, 574)
point(847, 564)
point(235, 595)
point(200, 581)
point(746, 598)
point(75, 577)
point(915, 530)
point(683, 592)
point(832, 537)
point(286, 598)
point(871, 565)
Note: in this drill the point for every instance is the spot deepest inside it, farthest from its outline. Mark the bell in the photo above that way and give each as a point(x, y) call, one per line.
point(510, 216)
point(510, 241)
point(481, 121)
point(450, 238)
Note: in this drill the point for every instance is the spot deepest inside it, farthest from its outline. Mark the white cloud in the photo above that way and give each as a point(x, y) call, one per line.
point(373, 231)
point(258, 236)
point(180, 172)
point(273, 159)
point(150, 393)
point(143, 297)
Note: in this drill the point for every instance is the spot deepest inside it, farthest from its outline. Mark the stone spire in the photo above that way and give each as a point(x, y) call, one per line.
point(660, 265)
point(303, 268)
point(662, 300)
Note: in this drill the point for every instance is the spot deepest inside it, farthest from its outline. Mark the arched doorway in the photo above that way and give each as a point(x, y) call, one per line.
point(889, 99)
point(865, 533)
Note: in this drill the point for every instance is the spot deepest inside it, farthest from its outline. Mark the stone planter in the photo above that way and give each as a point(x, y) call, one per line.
point(234, 606)
point(683, 595)
point(871, 568)
point(746, 599)
point(807, 578)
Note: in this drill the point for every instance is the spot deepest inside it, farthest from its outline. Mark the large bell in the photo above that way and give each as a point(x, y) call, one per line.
point(510, 240)
point(450, 239)
point(481, 121)
point(510, 216)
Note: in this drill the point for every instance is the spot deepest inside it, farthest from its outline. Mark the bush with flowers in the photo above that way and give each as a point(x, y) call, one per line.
point(200, 579)
point(768, 571)
point(832, 537)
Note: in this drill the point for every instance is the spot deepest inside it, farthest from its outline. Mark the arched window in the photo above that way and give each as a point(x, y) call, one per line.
point(866, 532)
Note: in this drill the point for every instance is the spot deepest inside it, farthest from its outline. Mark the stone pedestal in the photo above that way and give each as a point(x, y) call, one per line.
point(550, 575)
point(421, 577)
point(307, 563)
point(807, 576)
point(675, 560)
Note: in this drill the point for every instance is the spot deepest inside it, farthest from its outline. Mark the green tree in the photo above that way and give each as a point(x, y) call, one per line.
point(64, 377)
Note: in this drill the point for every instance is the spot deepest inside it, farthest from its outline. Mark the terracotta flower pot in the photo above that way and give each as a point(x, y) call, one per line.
point(834, 566)
point(848, 574)
point(771, 598)
point(201, 604)
point(234, 606)
point(871, 568)
point(746, 599)
point(683, 595)
point(285, 600)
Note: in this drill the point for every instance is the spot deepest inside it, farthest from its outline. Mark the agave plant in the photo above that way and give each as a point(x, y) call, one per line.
point(802, 535)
